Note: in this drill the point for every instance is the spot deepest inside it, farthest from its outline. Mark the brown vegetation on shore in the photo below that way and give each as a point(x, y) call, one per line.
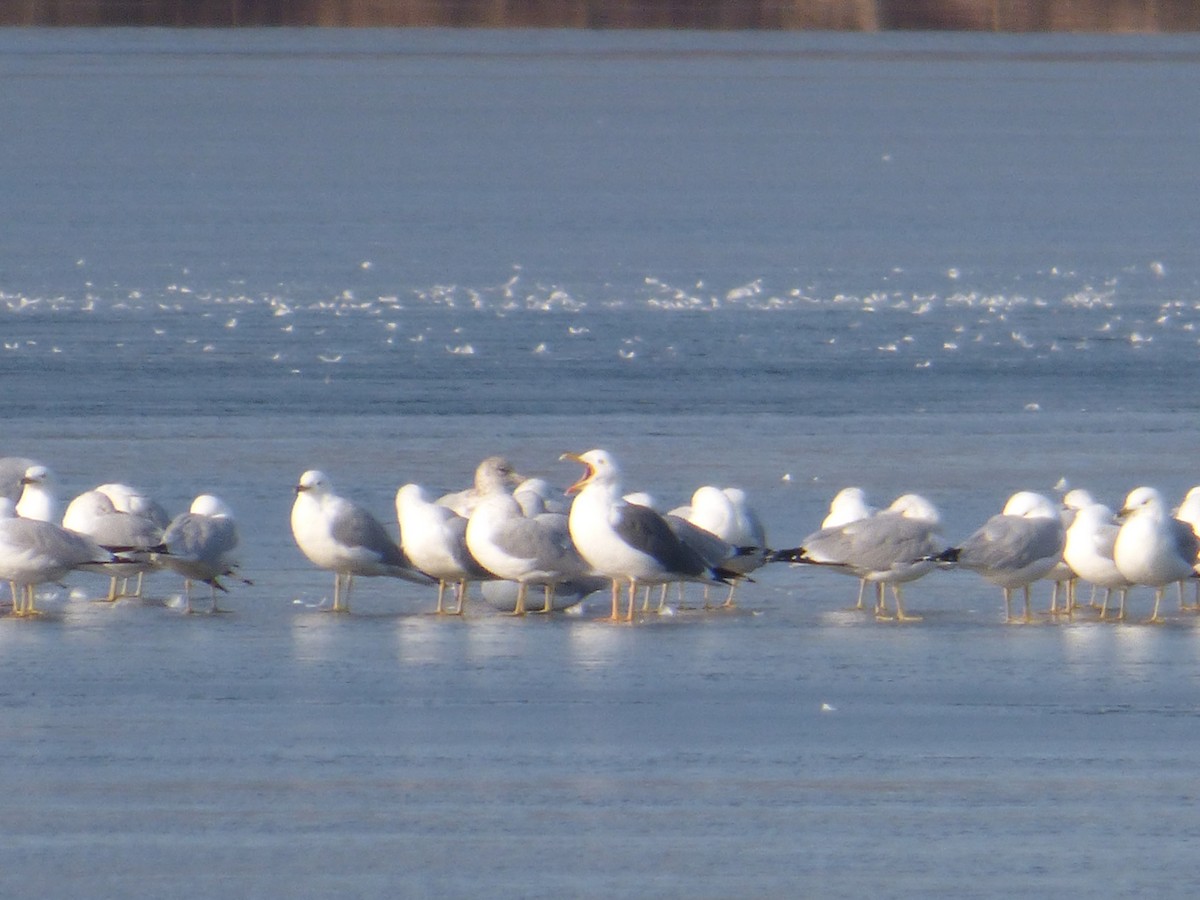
point(841, 15)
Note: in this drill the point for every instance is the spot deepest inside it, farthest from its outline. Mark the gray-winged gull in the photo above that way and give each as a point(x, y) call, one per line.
point(33, 552)
point(891, 547)
point(434, 538)
point(533, 550)
point(339, 535)
point(1015, 548)
point(202, 545)
point(1153, 548)
point(625, 542)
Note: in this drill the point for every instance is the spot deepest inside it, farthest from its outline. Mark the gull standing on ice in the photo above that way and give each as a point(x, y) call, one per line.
point(341, 536)
point(1152, 547)
point(535, 550)
point(849, 505)
point(624, 542)
point(726, 513)
point(894, 546)
point(135, 537)
point(34, 552)
point(434, 538)
point(130, 500)
point(201, 545)
point(1089, 552)
point(1015, 548)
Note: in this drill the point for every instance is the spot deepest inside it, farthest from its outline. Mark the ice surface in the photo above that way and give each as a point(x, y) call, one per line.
point(232, 257)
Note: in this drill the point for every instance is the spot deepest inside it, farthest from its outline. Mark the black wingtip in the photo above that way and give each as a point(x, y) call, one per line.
point(947, 556)
point(728, 576)
point(794, 555)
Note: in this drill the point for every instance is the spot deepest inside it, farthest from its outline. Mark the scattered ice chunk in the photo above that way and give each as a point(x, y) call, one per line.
point(1033, 407)
point(1158, 269)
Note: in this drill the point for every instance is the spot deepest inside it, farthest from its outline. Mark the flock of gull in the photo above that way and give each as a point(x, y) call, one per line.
point(509, 533)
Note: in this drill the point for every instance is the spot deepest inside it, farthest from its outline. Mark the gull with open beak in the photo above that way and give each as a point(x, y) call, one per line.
point(624, 542)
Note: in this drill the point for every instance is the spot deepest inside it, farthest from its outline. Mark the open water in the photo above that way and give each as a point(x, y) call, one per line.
point(951, 264)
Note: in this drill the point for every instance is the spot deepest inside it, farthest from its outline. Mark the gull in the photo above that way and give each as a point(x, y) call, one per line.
point(201, 545)
point(1152, 548)
point(1073, 501)
point(1015, 548)
point(1089, 552)
point(38, 497)
point(528, 550)
point(1062, 577)
point(726, 513)
point(493, 472)
point(339, 535)
point(34, 552)
point(626, 542)
point(895, 546)
point(710, 548)
point(134, 536)
point(130, 500)
point(849, 505)
point(434, 538)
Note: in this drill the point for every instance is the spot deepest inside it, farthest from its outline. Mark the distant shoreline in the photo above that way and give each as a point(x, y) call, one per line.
point(1102, 16)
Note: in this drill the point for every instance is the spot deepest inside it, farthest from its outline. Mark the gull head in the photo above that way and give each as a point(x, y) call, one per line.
point(1142, 499)
point(1030, 505)
point(313, 482)
point(914, 506)
point(599, 466)
point(38, 474)
point(496, 474)
point(211, 506)
point(1077, 498)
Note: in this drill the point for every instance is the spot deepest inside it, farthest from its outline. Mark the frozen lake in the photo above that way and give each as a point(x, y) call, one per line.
point(958, 265)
